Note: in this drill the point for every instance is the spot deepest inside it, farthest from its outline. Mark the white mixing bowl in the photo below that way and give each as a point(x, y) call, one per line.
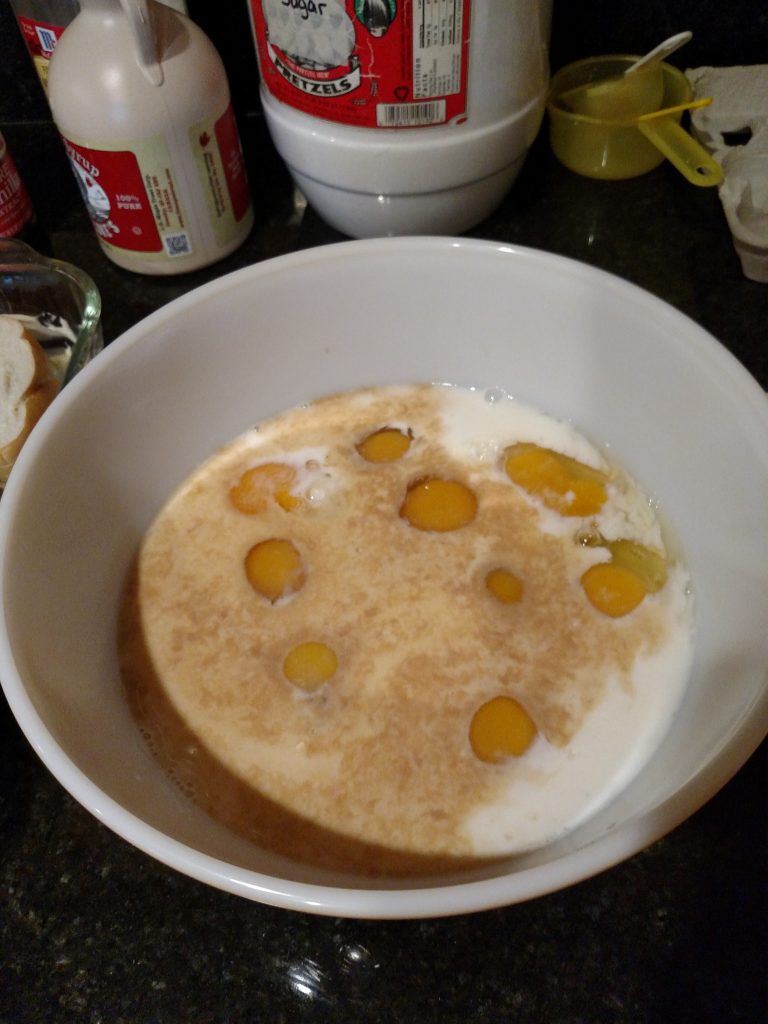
point(678, 410)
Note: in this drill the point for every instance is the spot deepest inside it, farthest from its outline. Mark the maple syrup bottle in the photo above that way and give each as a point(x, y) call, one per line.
point(141, 100)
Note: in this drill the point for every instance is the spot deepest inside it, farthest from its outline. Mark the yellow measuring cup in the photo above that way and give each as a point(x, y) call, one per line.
point(625, 146)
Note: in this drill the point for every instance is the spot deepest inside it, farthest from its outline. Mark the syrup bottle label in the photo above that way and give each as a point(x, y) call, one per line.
point(131, 196)
point(215, 144)
point(367, 63)
point(132, 192)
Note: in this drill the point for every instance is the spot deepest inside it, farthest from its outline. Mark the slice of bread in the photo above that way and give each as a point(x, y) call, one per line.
point(27, 387)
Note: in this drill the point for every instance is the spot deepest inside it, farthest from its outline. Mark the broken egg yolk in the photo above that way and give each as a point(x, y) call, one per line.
point(258, 486)
point(612, 589)
point(648, 565)
point(504, 586)
point(501, 728)
point(386, 445)
point(563, 484)
point(309, 665)
point(274, 568)
point(433, 504)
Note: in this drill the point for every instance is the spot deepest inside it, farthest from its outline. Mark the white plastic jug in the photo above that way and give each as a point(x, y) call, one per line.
point(403, 116)
point(141, 99)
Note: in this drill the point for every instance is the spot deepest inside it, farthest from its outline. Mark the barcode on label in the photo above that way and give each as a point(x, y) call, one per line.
point(410, 115)
point(177, 245)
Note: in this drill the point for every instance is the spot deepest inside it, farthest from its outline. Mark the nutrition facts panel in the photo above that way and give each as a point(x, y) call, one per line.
point(437, 47)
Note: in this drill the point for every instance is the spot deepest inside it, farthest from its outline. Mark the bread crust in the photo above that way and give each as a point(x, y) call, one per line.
point(40, 390)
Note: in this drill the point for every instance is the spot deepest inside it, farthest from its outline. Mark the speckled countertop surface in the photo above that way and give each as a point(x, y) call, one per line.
point(94, 932)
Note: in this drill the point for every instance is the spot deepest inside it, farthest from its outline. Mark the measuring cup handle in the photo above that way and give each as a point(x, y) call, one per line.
point(682, 150)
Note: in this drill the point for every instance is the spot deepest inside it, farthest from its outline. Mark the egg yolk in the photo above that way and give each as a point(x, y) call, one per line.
point(563, 484)
point(501, 728)
point(310, 664)
point(274, 568)
point(648, 565)
point(271, 481)
point(504, 586)
point(612, 589)
point(439, 505)
point(385, 445)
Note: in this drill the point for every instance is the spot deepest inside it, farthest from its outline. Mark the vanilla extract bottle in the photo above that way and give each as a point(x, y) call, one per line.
point(16, 211)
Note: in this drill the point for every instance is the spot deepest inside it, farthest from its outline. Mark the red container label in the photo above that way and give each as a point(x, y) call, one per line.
point(40, 37)
point(15, 204)
point(388, 64)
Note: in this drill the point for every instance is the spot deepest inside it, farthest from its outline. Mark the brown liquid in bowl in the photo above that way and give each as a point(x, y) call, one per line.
point(373, 770)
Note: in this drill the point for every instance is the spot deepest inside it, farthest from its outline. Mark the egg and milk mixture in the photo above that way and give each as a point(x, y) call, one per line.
point(405, 629)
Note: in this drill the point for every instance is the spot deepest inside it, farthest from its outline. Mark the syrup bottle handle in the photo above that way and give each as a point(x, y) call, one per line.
point(145, 44)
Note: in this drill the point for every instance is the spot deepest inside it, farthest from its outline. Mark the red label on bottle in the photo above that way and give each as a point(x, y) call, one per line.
point(388, 64)
point(234, 165)
point(39, 37)
point(114, 192)
point(15, 204)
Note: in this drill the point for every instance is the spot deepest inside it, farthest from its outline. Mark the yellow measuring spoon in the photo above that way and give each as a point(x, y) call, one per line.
point(681, 149)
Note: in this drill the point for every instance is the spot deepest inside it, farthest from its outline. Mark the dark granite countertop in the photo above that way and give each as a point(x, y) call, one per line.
point(94, 932)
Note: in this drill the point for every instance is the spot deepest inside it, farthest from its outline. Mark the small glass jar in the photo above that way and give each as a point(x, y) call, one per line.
point(57, 302)
point(60, 306)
